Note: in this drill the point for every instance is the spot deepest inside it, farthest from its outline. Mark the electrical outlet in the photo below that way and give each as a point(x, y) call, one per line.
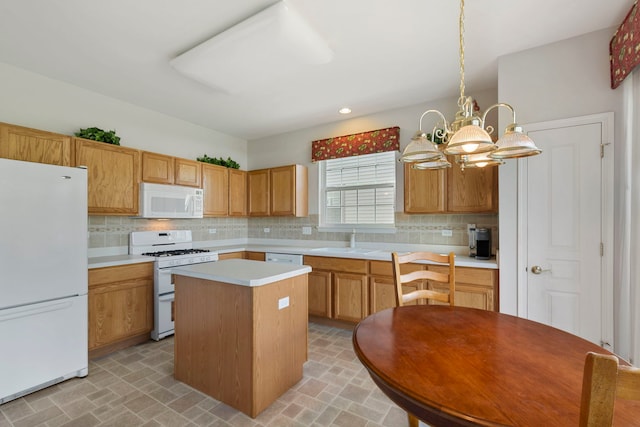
point(267, 230)
point(283, 303)
point(447, 233)
point(212, 231)
point(306, 230)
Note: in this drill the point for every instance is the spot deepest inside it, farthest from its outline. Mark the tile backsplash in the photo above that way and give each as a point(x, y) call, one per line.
point(113, 231)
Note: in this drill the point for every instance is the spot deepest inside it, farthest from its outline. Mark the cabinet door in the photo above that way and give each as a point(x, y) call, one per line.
point(188, 172)
point(350, 296)
point(113, 177)
point(120, 304)
point(157, 168)
point(215, 183)
point(424, 190)
point(237, 192)
point(289, 191)
point(383, 292)
point(231, 255)
point(475, 287)
point(320, 293)
point(32, 145)
point(472, 190)
point(259, 186)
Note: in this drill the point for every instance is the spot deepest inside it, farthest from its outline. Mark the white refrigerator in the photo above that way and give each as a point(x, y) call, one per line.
point(43, 276)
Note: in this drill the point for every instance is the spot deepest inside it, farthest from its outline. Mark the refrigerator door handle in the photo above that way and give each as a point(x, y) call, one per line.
point(32, 309)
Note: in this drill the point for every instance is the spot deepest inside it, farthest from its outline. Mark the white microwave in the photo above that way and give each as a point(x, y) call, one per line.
point(170, 201)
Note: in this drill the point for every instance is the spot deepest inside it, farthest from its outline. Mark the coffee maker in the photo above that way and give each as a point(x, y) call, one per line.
point(483, 243)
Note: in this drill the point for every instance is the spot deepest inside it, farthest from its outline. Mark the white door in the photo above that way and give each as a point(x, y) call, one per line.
point(566, 225)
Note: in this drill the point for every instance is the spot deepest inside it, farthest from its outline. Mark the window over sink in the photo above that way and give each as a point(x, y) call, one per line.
point(358, 192)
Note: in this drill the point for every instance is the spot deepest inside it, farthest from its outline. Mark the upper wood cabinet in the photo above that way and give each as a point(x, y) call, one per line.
point(188, 172)
point(113, 176)
point(474, 190)
point(32, 145)
point(280, 191)
point(237, 192)
point(289, 194)
point(215, 183)
point(163, 169)
point(258, 183)
point(157, 168)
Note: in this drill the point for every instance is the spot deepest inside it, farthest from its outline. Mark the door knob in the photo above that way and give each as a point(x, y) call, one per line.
point(536, 269)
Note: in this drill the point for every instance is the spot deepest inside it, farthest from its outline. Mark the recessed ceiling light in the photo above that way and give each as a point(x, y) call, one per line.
point(344, 110)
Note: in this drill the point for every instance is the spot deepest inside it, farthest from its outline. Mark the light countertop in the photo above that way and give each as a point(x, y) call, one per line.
point(242, 272)
point(115, 260)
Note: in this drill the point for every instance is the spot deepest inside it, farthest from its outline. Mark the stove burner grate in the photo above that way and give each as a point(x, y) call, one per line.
point(176, 252)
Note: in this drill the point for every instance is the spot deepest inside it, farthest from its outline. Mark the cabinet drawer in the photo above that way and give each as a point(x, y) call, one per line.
point(108, 275)
point(385, 268)
point(475, 276)
point(347, 265)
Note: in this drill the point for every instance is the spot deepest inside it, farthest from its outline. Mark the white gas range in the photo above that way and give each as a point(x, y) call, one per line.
point(170, 248)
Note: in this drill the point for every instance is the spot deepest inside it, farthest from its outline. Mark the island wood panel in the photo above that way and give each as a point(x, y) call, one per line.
point(245, 351)
point(32, 145)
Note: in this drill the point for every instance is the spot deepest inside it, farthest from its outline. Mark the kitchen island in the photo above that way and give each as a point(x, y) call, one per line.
point(241, 330)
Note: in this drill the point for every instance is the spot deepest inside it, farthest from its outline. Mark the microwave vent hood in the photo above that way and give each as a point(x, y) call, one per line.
point(161, 201)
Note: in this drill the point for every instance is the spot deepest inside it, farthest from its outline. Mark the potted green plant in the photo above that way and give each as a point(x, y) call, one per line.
point(97, 134)
point(229, 163)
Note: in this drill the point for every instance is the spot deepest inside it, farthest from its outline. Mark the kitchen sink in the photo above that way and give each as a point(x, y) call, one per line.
point(345, 250)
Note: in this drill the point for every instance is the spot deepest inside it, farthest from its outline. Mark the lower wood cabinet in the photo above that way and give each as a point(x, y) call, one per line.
point(255, 256)
point(351, 289)
point(120, 307)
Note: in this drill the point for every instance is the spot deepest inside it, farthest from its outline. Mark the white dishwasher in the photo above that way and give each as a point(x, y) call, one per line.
point(283, 258)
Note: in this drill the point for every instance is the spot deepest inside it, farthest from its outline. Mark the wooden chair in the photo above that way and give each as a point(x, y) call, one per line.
point(604, 381)
point(428, 294)
point(433, 276)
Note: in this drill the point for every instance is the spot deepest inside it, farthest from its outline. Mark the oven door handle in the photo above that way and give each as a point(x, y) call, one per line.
point(166, 297)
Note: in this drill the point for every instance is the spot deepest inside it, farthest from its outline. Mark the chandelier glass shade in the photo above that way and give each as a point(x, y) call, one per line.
point(466, 137)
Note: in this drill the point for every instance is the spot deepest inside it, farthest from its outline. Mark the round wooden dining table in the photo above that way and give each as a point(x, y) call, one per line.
point(454, 366)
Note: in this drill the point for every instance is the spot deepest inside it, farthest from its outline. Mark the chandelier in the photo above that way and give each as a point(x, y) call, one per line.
point(466, 137)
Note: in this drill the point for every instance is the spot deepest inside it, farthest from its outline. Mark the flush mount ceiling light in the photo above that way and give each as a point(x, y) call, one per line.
point(344, 110)
point(466, 137)
point(273, 43)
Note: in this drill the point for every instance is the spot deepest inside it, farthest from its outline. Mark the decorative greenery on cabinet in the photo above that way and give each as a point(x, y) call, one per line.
point(97, 134)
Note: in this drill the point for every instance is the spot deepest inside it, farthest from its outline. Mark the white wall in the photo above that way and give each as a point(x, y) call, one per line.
point(566, 79)
point(31, 100)
point(295, 147)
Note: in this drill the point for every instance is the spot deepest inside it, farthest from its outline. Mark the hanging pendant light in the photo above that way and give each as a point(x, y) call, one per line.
point(467, 135)
point(479, 160)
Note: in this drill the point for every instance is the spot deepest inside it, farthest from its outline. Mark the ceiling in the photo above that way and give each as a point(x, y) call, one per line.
point(386, 54)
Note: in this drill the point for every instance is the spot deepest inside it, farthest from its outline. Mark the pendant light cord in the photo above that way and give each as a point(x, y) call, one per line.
point(461, 101)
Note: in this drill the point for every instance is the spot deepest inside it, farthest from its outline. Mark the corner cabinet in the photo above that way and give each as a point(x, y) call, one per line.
point(32, 145)
point(473, 190)
point(120, 307)
point(280, 191)
point(113, 174)
point(237, 192)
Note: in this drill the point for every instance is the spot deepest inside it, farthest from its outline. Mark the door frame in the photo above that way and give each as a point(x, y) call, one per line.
point(606, 121)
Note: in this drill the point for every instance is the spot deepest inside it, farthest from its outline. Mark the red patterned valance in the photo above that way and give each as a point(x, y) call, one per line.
point(624, 49)
point(375, 141)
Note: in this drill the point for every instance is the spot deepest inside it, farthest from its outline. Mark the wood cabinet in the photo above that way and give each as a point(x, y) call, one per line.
point(475, 287)
point(113, 176)
point(338, 287)
point(163, 169)
point(188, 172)
point(237, 192)
point(255, 256)
point(289, 194)
point(351, 289)
point(120, 307)
point(474, 190)
point(382, 288)
point(258, 185)
point(215, 183)
point(231, 255)
point(280, 191)
point(157, 168)
point(32, 145)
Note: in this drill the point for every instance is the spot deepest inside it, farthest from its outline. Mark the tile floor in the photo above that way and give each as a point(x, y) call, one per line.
point(135, 387)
